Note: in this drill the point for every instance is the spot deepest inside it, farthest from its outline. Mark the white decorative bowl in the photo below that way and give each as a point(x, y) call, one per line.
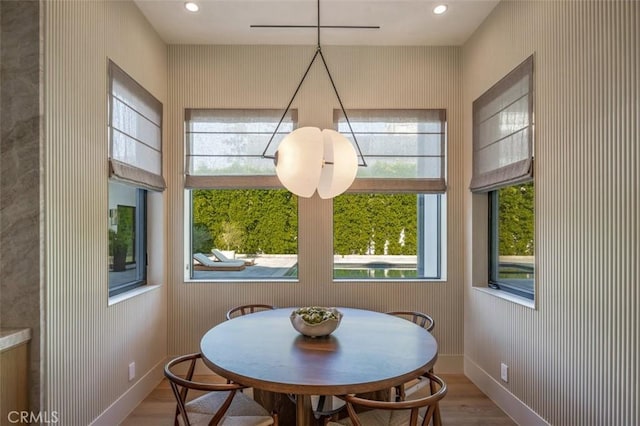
point(315, 321)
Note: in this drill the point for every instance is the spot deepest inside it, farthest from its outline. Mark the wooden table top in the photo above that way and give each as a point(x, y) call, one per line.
point(369, 351)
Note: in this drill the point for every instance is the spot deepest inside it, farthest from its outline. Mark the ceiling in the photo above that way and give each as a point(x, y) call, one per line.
point(404, 23)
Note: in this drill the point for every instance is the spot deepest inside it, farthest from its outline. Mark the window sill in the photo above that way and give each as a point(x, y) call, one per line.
point(390, 280)
point(528, 303)
point(131, 293)
point(256, 280)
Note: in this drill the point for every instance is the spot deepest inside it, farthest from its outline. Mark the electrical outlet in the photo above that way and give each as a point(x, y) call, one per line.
point(132, 371)
point(504, 372)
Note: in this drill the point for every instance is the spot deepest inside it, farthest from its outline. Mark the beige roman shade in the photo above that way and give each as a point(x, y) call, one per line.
point(503, 131)
point(404, 148)
point(135, 129)
point(224, 147)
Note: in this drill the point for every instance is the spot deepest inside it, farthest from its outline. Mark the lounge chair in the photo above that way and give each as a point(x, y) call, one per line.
point(222, 258)
point(204, 263)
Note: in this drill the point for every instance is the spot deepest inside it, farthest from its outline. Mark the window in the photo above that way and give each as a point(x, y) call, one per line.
point(503, 168)
point(390, 236)
point(127, 238)
point(511, 239)
point(390, 224)
point(135, 167)
point(243, 225)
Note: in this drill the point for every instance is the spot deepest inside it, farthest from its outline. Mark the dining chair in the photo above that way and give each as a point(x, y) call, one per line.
point(411, 412)
point(425, 321)
point(221, 404)
point(247, 309)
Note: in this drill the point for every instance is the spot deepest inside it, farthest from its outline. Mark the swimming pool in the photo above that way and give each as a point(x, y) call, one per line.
point(377, 271)
point(380, 270)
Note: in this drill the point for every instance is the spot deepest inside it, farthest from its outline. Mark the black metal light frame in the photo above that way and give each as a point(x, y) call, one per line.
point(324, 62)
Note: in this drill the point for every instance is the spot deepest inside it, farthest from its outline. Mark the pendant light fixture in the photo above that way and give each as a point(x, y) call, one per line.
point(310, 159)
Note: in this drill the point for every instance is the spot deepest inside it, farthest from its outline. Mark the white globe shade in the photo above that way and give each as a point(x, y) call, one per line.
point(340, 165)
point(299, 161)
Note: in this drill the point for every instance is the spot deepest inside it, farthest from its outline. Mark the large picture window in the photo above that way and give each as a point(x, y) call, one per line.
point(243, 225)
point(387, 236)
point(244, 234)
point(390, 224)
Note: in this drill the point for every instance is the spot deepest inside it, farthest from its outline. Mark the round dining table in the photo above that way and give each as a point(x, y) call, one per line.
point(369, 351)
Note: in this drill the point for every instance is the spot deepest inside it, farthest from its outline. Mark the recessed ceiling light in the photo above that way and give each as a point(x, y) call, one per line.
point(440, 9)
point(191, 6)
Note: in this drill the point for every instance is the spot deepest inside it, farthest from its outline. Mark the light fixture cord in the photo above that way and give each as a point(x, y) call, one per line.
point(335, 90)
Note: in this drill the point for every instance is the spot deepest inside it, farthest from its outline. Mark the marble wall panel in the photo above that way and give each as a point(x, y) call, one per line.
point(20, 211)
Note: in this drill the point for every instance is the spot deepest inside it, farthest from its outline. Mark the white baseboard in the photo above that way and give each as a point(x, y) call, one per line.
point(128, 401)
point(509, 403)
point(449, 364)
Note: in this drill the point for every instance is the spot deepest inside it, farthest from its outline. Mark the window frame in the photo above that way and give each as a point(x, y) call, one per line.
point(439, 204)
point(226, 277)
point(418, 186)
point(494, 251)
point(214, 181)
point(140, 246)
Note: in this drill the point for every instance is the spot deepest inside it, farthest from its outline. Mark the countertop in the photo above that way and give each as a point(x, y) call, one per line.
point(10, 337)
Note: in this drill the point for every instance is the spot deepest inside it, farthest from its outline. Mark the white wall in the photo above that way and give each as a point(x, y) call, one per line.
point(265, 77)
point(574, 359)
point(89, 344)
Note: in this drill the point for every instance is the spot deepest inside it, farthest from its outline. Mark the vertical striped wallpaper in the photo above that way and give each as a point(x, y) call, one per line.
point(265, 77)
point(89, 344)
point(574, 360)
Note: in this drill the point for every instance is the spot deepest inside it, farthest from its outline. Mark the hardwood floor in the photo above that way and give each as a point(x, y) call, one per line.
point(463, 405)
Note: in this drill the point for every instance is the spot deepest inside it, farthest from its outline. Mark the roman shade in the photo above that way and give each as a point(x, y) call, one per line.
point(503, 131)
point(135, 129)
point(404, 148)
point(224, 146)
